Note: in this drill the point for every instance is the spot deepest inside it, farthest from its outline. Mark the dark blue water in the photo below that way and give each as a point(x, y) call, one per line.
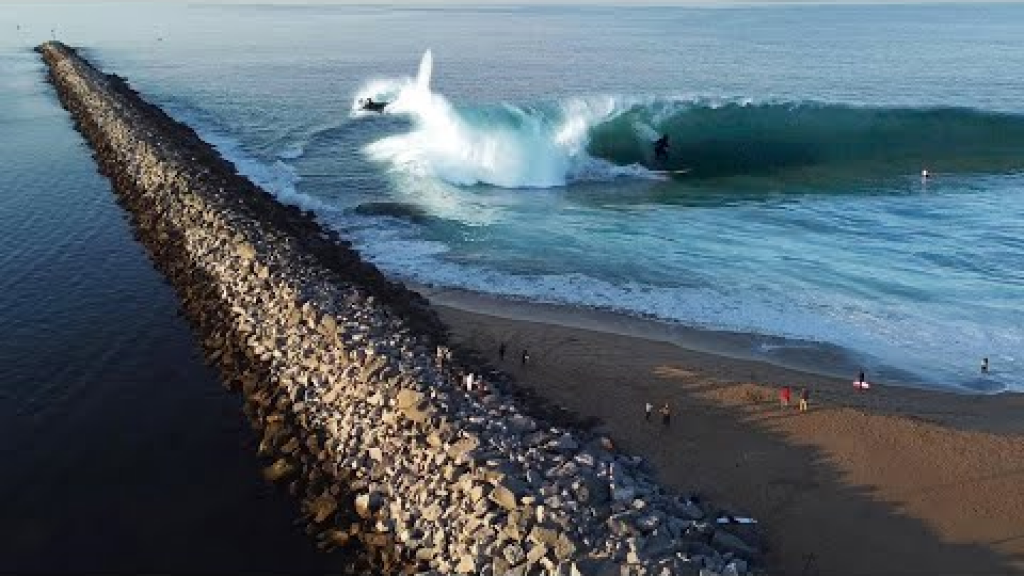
point(520, 166)
point(120, 450)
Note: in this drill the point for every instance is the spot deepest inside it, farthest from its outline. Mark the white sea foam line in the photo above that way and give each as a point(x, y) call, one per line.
point(423, 262)
point(279, 178)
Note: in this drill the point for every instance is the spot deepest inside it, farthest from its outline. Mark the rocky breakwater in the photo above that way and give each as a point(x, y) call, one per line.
point(392, 454)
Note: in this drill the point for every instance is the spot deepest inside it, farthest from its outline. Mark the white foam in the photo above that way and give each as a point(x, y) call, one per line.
point(277, 177)
point(511, 147)
point(919, 345)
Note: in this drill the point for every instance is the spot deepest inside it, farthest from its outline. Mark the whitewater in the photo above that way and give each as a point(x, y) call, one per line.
point(508, 146)
point(607, 137)
point(818, 160)
point(803, 221)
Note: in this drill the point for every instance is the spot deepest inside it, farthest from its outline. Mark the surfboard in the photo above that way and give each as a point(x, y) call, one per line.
point(862, 385)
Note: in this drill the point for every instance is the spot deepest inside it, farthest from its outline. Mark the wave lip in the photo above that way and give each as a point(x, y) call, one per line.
point(506, 145)
point(750, 138)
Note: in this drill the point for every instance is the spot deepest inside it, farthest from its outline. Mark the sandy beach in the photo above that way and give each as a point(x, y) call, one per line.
point(894, 480)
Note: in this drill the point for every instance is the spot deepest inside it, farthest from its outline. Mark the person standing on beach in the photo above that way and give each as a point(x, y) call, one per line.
point(525, 358)
point(501, 352)
point(859, 382)
point(666, 415)
point(784, 396)
point(805, 397)
point(648, 407)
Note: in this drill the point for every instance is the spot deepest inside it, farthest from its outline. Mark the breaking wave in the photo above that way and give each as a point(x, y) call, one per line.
point(596, 138)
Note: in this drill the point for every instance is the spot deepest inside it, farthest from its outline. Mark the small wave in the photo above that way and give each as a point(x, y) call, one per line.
point(292, 151)
point(277, 177)
point(596, 138)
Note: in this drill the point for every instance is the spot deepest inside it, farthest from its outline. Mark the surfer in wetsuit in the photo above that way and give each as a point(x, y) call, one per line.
point(372, 106)
point(661, 149)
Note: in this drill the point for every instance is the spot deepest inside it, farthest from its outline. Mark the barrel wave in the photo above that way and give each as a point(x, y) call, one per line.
point(605, 137)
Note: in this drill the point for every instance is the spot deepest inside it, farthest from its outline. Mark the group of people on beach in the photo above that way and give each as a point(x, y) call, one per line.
point(786, 396)
point(665, 411)
point(524, 357)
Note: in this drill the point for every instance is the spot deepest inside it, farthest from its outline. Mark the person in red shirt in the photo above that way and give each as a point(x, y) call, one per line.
point(784, 396)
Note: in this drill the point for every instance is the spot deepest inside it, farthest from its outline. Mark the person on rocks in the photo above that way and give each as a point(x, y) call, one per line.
point(648, 408)
point(805, 397)
point(666, 415)
point(501, 351)
point(482, 388)
point(785, 395)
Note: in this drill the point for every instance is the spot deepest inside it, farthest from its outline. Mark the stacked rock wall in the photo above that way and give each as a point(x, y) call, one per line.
point(389, 451)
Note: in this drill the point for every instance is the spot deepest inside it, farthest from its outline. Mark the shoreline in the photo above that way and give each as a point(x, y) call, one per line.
point(812, 359)
point(996, 413)
point(929, 476)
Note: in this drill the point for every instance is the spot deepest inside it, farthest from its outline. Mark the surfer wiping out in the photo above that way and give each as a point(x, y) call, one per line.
point(371, 106)
point(661, 148)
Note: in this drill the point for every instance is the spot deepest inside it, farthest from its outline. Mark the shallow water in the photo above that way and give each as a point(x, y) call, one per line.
point(518, 166)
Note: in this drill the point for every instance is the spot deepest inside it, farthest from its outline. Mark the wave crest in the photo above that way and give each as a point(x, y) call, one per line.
point(597, 138)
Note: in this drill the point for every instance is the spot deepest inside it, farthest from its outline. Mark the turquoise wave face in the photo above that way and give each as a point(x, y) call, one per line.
point(743, 139)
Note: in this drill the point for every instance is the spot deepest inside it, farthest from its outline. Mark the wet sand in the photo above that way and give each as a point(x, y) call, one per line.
point(893, 480)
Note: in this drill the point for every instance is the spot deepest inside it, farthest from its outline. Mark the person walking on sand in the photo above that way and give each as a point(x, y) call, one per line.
point(805, 396)
point(501, 352)
point(785, 395)
point(666, 415)
point(648, 408)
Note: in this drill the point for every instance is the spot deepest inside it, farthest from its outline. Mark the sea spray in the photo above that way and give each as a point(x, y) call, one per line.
point(506, 145)
point(605, 137)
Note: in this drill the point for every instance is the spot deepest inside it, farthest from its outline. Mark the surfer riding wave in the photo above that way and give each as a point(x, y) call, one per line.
point(370, 106)
point(555, 143)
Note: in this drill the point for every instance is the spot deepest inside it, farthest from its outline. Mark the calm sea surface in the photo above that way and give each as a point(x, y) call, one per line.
point(119, 451)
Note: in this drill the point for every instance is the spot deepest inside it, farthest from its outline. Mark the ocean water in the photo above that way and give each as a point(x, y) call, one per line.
point(516, 157)
point(121, 452)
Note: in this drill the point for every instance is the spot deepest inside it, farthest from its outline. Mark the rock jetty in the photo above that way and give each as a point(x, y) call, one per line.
point(394, 453)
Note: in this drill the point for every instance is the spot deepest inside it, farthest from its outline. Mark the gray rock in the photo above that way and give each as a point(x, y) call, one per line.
point(514, 554)
point(504, 497)
point(723, 540)
point(593, 567)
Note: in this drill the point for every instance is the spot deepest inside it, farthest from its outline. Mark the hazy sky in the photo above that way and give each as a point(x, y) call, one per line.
point(519, 2)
